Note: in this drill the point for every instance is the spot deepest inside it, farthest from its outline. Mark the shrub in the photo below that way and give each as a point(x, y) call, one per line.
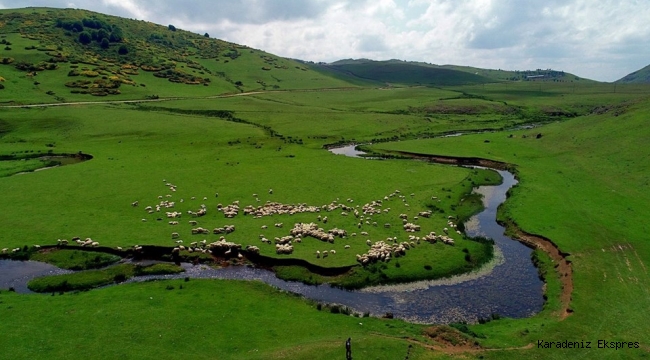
point(85, 38)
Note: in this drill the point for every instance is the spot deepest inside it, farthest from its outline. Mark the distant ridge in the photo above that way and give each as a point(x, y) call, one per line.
point(403, 72)
point(641, 76)
point(422, 73)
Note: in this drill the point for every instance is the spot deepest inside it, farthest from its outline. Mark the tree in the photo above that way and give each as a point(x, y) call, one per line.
point(102, 34)
point(105, 43)
point(171, 27)
point(206, 35)
point(85, 38)
point(116, 35)
point(123, 50)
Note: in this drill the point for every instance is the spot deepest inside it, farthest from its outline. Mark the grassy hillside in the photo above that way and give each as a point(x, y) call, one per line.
point(57, 55)
point(404, 73)
point(547, 75)
point(420, 73)
point(579, 149)
point(641, 76)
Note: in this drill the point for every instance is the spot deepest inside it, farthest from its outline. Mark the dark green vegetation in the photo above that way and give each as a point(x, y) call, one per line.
point(583, 184)
point(398, 72)
point(418, 73)
point(85, 280)
point(75, 259)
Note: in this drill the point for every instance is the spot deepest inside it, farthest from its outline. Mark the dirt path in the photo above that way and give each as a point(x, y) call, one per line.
point(461, 347)
point(172, 98)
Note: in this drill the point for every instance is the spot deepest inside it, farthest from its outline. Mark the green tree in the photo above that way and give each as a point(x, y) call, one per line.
point(171, 27)
point(85, 38)
point(206, 35)
point(116, 35)
point(102, 34)
point(105, 43)
point(123, 50)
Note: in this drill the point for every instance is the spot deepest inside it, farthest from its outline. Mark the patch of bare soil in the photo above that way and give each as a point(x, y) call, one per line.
point(562, 267)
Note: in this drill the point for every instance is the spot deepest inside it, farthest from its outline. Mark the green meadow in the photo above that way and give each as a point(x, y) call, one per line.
point(566, 193)
point(224, 123)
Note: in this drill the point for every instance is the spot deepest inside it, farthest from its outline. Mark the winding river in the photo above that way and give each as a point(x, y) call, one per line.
point(509, 285)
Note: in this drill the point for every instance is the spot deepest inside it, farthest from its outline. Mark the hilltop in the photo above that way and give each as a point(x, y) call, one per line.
point(641, 76)
point(422, 73)
point(402, 72)
point(54, 55)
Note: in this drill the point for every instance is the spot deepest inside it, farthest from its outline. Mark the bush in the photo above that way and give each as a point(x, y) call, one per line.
point(85, 38)
point(123, 50)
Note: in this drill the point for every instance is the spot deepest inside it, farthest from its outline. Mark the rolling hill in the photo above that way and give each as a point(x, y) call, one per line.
point(54, 55)
point(641, 76)
point(421, 73)
point(403, 73)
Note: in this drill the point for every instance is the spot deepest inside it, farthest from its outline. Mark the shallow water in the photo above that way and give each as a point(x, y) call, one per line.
point(509, 285)
point(16, 274)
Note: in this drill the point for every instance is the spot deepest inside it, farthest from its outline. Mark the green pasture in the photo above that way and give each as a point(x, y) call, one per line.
point(583, 184)
point(209, 318)
point(134, 151)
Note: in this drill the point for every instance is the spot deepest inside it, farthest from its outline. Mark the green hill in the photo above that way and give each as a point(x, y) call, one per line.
point(366, 71)
point(521, 75)
point(641, 76)
point(402, 72)
point(51, 55)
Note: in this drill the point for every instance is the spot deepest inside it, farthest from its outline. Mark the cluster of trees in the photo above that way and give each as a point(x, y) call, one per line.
point(91, 29)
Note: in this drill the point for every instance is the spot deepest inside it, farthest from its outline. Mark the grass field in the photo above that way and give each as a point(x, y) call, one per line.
point(584, 185)
point(579, 149)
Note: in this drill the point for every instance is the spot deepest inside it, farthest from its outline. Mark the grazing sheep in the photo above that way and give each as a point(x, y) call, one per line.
point(325, 254)
point(333, 252)
point(4, 251)
point(270, 191)
point(347, 246)
point(317, 254)
point(175, 235)
point(135, 203)
point(253, 249)
point(193, 222)
point(283, 249)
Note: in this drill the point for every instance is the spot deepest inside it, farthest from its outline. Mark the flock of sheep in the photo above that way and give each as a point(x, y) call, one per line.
point(379, 251)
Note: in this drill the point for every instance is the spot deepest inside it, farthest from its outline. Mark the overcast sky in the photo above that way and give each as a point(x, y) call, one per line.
point(598, 39)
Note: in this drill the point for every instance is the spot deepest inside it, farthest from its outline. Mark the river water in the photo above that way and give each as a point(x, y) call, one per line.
point(509, 285)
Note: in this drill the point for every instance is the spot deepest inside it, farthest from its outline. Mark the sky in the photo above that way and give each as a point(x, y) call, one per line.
point(602, 40)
